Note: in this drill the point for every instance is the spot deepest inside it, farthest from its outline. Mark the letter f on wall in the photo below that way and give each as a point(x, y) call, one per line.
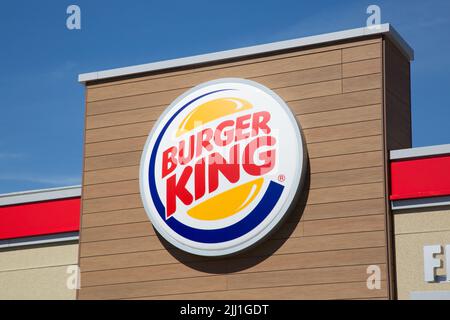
point(430, 262)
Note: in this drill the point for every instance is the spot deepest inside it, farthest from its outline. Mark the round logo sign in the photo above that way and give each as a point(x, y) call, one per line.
point(221, 167)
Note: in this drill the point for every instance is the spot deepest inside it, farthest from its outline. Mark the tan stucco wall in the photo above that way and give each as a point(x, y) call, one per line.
point(37, 273)
point(413, 231)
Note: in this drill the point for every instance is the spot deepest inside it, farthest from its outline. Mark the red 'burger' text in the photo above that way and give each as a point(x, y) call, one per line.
point(247, 137)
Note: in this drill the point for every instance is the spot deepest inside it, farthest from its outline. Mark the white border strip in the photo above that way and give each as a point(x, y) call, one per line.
point(39, 195)
point(38, 240)
point(420, 152)
point(420, 203)
point(258, 49)
point(429, 295)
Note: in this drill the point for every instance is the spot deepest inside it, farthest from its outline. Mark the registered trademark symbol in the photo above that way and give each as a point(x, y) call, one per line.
point(281, 178)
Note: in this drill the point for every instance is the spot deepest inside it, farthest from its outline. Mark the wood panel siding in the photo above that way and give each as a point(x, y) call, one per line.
point(398, 98)
point(327, 242)
point(397, 134)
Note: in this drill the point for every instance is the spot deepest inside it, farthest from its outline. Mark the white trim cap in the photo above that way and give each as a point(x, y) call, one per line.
point(386, 29)
point(39, 195)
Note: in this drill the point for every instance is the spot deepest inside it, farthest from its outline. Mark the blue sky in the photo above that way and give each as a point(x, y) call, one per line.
point(42, 103)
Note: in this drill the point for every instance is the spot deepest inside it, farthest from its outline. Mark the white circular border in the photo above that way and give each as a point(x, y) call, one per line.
point(276, 221)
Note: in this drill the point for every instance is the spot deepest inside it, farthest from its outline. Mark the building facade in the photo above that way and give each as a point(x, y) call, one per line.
point(359, 215)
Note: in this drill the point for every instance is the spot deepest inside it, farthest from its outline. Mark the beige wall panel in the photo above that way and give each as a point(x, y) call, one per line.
point(37, 272)
point(409, 261)
point(422, 221)
point(47, 283)
point(38, 257)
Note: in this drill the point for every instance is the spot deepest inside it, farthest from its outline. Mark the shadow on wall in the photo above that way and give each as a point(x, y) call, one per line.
point(250, 257)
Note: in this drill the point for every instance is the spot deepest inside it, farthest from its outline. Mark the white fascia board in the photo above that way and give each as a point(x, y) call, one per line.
point(420, 152)
point(39, 195)
point(429, 295)
point(253, 50)
point(39, 240)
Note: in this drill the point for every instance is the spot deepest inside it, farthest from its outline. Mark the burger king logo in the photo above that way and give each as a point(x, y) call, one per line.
point(221, 167)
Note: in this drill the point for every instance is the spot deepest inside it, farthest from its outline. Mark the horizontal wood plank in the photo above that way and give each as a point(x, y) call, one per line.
point(329, 118)
point(363, 67)
point(359, 53)
point(117, 217)
point(344, 209)
point(290, 229)
point(234, 281)
point(158, 99)
point(311, 292)
point(319, 259)
point(111, 175)
point(212, 283)
point(345, 146)
point(343, 131)
point(336, 102)
point(304, 68)
point(347, 162)
point(346, 193)
point(346, 177)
